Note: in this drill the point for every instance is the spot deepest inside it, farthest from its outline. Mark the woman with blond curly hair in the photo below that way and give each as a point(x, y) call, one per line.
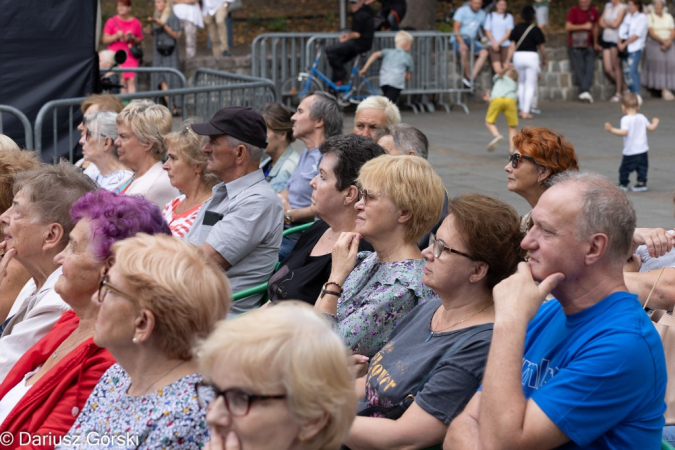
point(142, 125)
point(186, 168)
point(540, 153)
point(280, 380)
point(368, 293)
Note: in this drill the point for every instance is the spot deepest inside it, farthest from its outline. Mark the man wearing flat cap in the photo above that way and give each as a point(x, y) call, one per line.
point(241, 226)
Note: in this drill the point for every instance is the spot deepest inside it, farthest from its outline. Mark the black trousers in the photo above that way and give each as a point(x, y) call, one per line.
point(391, 93)
point(340, 54)
point(630, 163)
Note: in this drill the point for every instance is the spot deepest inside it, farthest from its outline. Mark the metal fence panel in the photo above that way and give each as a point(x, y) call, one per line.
point(201, 101)
point(436, 79)
point(27, 129)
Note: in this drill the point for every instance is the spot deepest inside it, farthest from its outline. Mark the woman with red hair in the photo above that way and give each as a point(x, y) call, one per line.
point(540, 153)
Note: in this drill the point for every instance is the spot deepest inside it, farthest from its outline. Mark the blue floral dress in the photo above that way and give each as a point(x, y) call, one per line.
point(169, 418)
point(375, 297)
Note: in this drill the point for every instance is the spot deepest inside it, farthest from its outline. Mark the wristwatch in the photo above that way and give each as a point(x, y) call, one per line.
point(324, 289)
point(287, 217)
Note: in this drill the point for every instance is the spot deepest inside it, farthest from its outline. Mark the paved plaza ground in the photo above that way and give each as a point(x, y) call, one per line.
point(457, 151)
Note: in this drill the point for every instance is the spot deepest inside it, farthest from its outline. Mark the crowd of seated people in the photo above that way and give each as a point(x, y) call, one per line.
point(402, 316)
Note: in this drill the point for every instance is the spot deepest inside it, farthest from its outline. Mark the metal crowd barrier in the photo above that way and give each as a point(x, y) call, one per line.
point(201, 101)
point(436, 79)
point(27, 129)
point(170, 70)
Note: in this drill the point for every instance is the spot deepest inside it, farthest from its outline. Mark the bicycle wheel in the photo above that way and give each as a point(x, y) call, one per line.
point(294, 86)
point(369, 86)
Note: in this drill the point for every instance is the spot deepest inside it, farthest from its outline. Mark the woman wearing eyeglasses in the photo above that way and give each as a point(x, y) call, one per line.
point(98, 148)
point(159, 298)
point(540, 154)
point(279, 379)
point(368, 293)
point(48, 387)
point(445, 340)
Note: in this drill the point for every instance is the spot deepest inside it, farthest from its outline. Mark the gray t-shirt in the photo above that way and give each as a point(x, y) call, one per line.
point(395, 63)
point(397, 369)
point(649, 263)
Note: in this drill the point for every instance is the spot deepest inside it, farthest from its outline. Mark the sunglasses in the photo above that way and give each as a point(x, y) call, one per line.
point(515, 158)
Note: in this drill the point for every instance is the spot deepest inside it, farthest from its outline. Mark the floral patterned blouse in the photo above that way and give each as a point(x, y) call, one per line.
point(375, 297)
point(169, 418)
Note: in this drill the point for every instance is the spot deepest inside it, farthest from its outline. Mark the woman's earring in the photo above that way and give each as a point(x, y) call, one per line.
point(134, 340)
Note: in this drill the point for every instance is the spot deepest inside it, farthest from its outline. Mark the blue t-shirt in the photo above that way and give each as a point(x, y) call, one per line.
point(470, 21)
point(599, 375)
point(299, 190)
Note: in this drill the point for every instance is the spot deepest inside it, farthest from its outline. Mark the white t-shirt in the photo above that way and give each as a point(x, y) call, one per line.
point(190, 12)
point(634, 25)
point(636, 141)
point(499, 25)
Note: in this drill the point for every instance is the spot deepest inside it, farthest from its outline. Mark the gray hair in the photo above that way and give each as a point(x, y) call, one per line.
point(102, 124)
point(604, 209)
point(255, 153)
point(409, 139)
point(391, 111)
point(149, 122)
point(326, 107)
point(52, 190)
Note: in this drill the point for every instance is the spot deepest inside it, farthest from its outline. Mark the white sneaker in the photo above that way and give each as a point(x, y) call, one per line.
point(616, 98)
point(586, 97)
point(667, 95)
point(494, 143)
point(639, 99)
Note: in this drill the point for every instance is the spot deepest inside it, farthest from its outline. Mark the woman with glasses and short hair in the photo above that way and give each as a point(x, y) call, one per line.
point(99, 149)
point(445, 340)
point(48, 387)
point(368, 293)
point(540, 154)
point(159, 298)
point(279, 379)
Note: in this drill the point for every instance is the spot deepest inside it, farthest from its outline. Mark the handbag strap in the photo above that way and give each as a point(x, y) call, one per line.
point(129, 44)
point(453, 348)
point(652, 291)
point(522, 38)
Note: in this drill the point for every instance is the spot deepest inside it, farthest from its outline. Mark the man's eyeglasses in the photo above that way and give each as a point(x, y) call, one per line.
point(515, 158)
point(237, 402)
point(438, 247)
point(104, 287)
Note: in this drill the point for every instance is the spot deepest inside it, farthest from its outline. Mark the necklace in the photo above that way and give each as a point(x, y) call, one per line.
point(56, 352)
point(162, 376)
point(431, 334)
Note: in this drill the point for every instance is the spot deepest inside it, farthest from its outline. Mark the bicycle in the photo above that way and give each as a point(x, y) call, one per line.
point(298, 86)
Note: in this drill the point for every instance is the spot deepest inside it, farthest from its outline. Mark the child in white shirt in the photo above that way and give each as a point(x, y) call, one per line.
point(634, 128)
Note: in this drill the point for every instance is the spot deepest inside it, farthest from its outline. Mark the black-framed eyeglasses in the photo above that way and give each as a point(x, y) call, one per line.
point(237, 402)
point(366, 196)
point(438, 247)
point(515, 158)
point(104, 287)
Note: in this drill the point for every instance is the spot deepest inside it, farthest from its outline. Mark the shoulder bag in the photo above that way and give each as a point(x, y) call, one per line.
point(396, 411)
point(135, 50)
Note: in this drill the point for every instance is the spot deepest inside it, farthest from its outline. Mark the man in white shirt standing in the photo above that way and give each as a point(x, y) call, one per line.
point(215, 13)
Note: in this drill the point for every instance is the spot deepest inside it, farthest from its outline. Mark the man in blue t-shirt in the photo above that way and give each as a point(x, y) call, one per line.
point(587, 369)
point(467, 21)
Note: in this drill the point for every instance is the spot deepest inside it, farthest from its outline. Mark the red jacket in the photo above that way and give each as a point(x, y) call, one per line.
point(51, 405)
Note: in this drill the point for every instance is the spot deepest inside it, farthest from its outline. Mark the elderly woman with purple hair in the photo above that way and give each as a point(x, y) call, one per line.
point(48, 387)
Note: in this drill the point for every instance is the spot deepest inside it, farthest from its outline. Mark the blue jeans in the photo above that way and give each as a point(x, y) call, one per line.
point(630, 163)
point(630, 71)
point(669, 434)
